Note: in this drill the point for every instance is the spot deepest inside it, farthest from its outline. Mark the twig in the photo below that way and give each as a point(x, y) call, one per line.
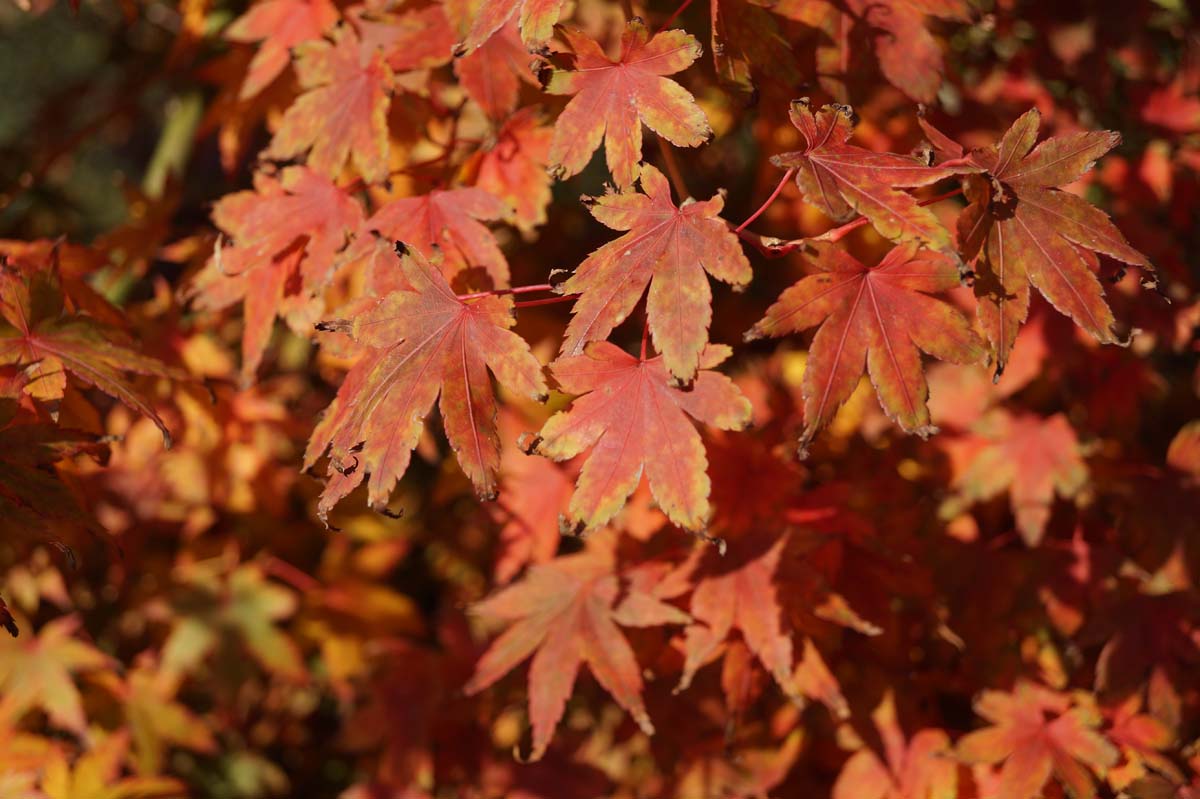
point(783, 182)
point(674, 16)
point(668, 155)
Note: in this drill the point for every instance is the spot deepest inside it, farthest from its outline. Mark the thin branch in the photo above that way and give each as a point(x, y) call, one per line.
point(501, 292)
point(291, 575)
point(546, 301)
point(782, 182)
point(674, 16)
point(772, 247)
point(672, 166)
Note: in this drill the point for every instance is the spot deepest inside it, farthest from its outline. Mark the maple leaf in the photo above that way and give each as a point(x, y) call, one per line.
point(563, 614)
point(420, 343)
point(38, 673)
point(37, 329)
point(34, 502)
point(446, 221)
point(416, 39)
point(922, 768)
point(746, 38)
point(279, 26)
point(97, 775)
point(668, 248)
point(535, 22)
point(285, 234)
point(842, 179)
point(157, 720)
point(1037, 733)
point(635, 421)
point(1032, 457)
point(909, 56)
point(513, 168)
point(535, 490)
point(220, 602)
point(342, 114)
point(740, 594)
point(877, 317)
point(1025, 230)
point(74, 264)
point(613, 98)
point(492, 74)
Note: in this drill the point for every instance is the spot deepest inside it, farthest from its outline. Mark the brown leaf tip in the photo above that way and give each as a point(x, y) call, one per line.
point(566, 527)
point(334, 326)
point(529, 442)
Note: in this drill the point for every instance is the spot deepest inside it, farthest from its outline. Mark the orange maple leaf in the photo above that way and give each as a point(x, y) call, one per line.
point(1022, 229)
point(513, 168)
point(38, 672)
point(342, 115)
point(613, 98)
point(285, 234)
point(279, 26)
point(667, 248)
point(1032, 457)
point(1037, 733)
point(422, 342)
point(635, 421)
point(874, 317)
point(565, 614)
point(535, 22)
point(922, 768)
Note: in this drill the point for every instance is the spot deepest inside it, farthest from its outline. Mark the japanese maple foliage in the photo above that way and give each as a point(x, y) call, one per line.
point(366, 431)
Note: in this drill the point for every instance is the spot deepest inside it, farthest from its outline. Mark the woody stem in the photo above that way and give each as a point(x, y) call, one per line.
point(782, 182)
point(672, 166)
point(501, 292)
point(546, 301)
point(675, 15)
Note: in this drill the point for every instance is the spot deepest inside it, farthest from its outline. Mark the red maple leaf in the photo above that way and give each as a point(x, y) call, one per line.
point(492, 74)
point(513, 168)
point(1036, 732)
point(612, 98)
point(1025, 231)
point(909, 55)
point(667, 248)
point(634, 421)
point(565, 614)
point(279, 26)
point(342, 115)
point(445, 221)
point(843, 180)
point(421, 342)
point(285, 234)
point(746, 39)
point(1031, 457)
point(878, 317)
